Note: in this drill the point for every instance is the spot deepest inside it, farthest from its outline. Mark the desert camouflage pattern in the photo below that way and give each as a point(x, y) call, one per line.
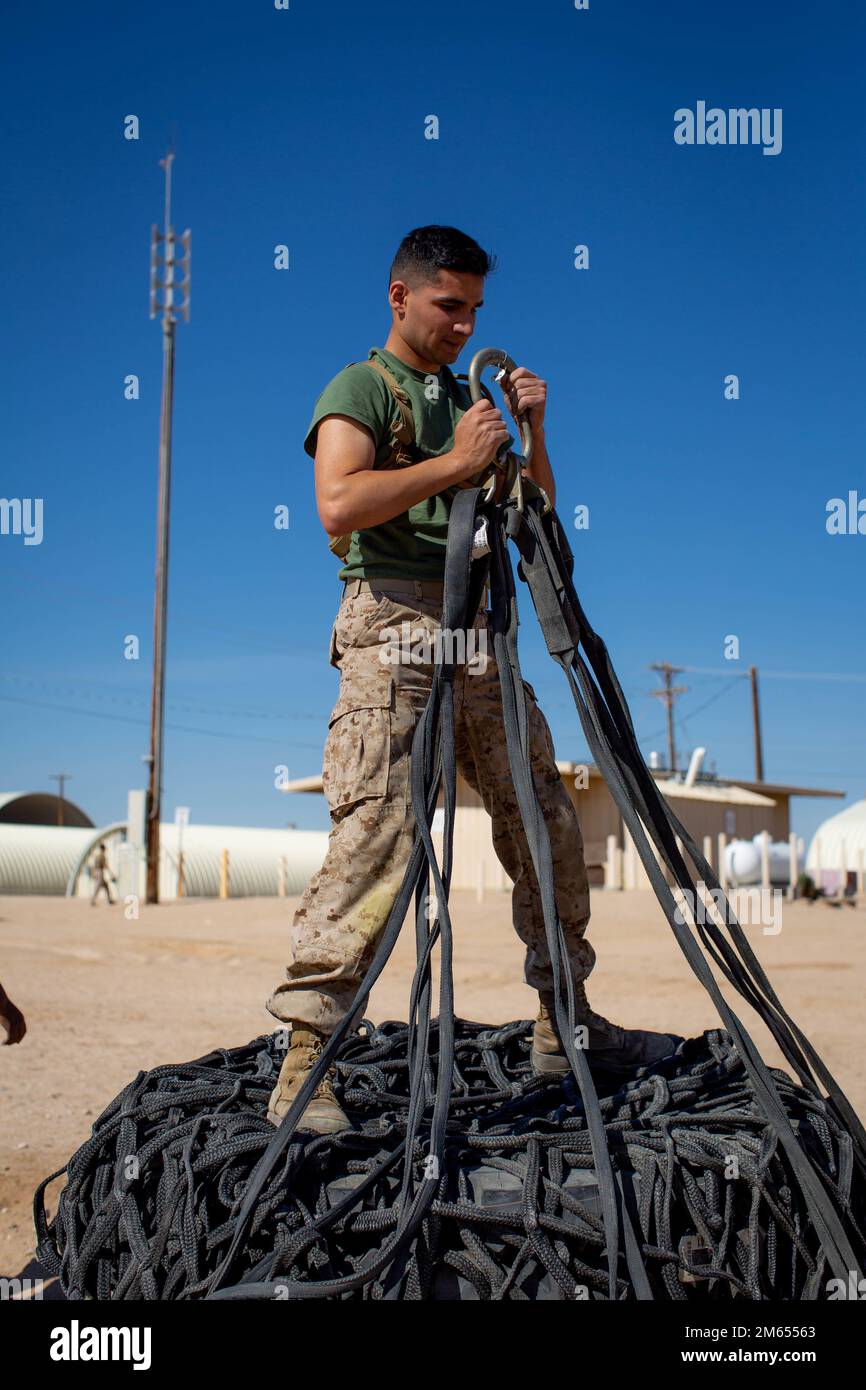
point(365, 776)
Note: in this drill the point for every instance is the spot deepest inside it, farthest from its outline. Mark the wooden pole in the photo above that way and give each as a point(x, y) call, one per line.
point(62, 778)
point(169, 287)
point(668, 695)
point(225, 876)
point(794, 870)
point(756, 721)
point(160, 609)
point(630, 862)
point(610, 880)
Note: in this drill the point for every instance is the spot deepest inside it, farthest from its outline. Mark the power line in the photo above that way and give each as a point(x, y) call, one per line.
point(92, 692)
point(175, 728)
point(692, 714)
point(853, 676)
point(181, 628)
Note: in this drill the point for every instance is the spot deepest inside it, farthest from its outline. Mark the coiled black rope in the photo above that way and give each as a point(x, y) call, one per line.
point(514, 1213)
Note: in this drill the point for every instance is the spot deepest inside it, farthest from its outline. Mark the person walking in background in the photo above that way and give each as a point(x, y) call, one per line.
point(101, 875)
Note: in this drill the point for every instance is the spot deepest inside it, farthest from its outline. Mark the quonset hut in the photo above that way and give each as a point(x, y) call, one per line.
point(40, 856)
point(837, 854)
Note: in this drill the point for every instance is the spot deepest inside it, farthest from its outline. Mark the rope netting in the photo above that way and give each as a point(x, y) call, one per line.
point(149, 1204)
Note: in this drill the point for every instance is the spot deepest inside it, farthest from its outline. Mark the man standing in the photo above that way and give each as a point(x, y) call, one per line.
point(388, 495)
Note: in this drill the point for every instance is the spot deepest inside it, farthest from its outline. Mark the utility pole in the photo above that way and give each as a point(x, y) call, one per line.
point(168, 307)
point(62, 778)
point(669, 694)
point(756, 720)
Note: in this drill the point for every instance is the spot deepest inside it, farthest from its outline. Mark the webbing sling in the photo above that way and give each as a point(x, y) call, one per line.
point(546, 565)
point(610, 734)
point(432, 755)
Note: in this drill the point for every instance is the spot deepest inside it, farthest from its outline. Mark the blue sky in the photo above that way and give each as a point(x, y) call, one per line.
point(306, 127)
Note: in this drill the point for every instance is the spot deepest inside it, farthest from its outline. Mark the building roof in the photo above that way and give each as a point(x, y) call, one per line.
point(782, 789)
point(39, 808)
point(702, 791)
point(726, 793)
point(765, 789)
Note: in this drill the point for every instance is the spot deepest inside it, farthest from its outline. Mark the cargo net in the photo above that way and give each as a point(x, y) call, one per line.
point(148, 1207)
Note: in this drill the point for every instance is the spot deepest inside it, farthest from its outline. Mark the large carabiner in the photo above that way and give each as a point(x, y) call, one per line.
point(505, 460)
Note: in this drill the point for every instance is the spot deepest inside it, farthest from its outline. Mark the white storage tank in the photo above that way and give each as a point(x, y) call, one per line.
point(743, 862)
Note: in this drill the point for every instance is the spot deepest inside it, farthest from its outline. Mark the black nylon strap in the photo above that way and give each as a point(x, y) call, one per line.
point(432, 754)
point(504, 627)
point(546, 565)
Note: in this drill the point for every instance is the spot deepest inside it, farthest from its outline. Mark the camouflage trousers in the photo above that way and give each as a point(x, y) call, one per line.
point(365, 777)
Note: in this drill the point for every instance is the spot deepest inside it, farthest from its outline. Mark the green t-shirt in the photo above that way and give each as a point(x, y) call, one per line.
point(411, 545)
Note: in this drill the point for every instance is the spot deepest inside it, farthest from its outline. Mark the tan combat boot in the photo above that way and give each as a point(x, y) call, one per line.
point(618, 1050)
point(323, 1115)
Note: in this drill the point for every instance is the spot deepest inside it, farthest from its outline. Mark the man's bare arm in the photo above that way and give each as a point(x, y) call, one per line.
point(527, 394)
point(540, 470)
point(351, 495)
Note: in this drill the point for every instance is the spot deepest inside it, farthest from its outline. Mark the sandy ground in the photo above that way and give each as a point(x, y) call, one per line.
point(105, 998)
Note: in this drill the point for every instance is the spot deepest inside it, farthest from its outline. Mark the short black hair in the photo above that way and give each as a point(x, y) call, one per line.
point(425, 251)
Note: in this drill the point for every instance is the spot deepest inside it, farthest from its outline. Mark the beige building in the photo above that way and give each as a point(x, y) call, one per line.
point(709, 808)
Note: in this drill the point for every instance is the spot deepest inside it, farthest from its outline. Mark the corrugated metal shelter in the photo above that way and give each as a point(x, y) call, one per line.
point(257, 860)
point(39, 858)
point(262, 862)
point(40, 808)
point(837, 854)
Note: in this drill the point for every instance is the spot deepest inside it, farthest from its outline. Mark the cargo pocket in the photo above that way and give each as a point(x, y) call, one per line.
point(358, 748)
point(333, 649)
